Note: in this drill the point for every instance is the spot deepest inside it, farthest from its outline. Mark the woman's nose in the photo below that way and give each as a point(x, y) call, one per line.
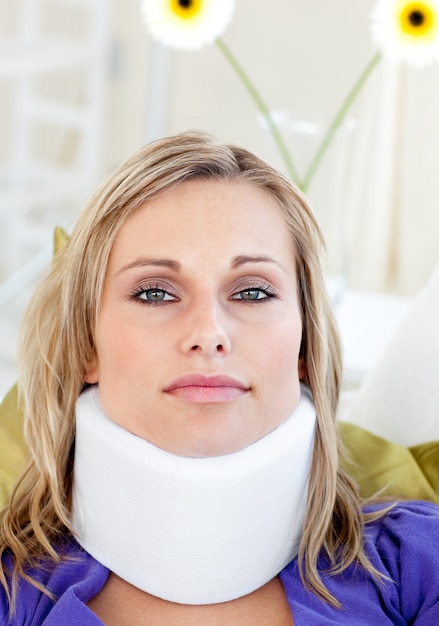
point(205, 329)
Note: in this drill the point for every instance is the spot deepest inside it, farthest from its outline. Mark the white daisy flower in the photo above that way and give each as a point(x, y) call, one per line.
point(407, 31)
point(187, 24)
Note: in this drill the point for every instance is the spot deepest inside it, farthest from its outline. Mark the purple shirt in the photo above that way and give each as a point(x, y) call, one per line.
point(404, 546)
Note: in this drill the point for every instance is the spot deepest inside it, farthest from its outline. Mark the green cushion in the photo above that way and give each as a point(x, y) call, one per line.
point(12, 446)
point(400, 472)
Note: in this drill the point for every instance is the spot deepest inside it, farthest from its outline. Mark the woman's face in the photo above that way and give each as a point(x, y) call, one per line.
point(199, 330)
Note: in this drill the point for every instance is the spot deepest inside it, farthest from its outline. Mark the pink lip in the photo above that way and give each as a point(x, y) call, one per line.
point(201, 388)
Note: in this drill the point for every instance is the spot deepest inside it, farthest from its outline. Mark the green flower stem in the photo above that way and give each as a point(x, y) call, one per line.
point(262, 108)
point(345, 106)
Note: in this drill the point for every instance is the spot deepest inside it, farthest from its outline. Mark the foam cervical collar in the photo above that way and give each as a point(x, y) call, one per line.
point(190, 530)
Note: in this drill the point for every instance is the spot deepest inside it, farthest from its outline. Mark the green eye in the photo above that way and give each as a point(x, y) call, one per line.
point(252, 294)
point(155, 295)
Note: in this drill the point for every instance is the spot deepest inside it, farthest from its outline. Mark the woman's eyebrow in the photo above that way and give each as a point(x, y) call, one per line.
point(237, 262)
point(150, 261)
point(243, 259)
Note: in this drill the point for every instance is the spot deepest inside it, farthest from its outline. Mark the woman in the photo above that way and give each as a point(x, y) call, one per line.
point(180, 371)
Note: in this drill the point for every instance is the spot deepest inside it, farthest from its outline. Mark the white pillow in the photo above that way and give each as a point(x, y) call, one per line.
point(399, 399)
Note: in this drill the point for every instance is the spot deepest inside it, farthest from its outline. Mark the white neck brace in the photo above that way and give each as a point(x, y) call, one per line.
point(190, 530)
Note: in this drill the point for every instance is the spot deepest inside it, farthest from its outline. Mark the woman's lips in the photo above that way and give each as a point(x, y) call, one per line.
point(205, 389)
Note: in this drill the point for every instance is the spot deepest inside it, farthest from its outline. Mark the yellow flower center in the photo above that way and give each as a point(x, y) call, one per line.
point(417, 19)
point(185, 9)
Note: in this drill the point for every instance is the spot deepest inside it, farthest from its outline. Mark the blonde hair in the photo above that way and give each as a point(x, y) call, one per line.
point(57, 343)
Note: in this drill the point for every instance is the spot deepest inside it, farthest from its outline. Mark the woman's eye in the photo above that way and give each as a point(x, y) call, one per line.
point(252, 294)
point(154, 295)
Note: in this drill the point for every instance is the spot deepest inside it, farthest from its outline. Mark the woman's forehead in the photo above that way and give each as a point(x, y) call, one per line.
point(229, 215)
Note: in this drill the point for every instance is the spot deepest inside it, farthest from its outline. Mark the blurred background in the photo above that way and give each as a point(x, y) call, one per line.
point(83, 85)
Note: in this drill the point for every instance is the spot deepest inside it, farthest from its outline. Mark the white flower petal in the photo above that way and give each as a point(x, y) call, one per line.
point(395, 42)
point(187, 33)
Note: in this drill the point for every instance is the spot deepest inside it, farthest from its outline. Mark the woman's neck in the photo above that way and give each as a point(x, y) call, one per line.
point(120, 603)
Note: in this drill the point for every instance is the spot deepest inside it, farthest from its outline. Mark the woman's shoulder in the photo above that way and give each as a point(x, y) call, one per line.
point(397, 525)
point(402, 546)
point(72, 582)
point(406, 537)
